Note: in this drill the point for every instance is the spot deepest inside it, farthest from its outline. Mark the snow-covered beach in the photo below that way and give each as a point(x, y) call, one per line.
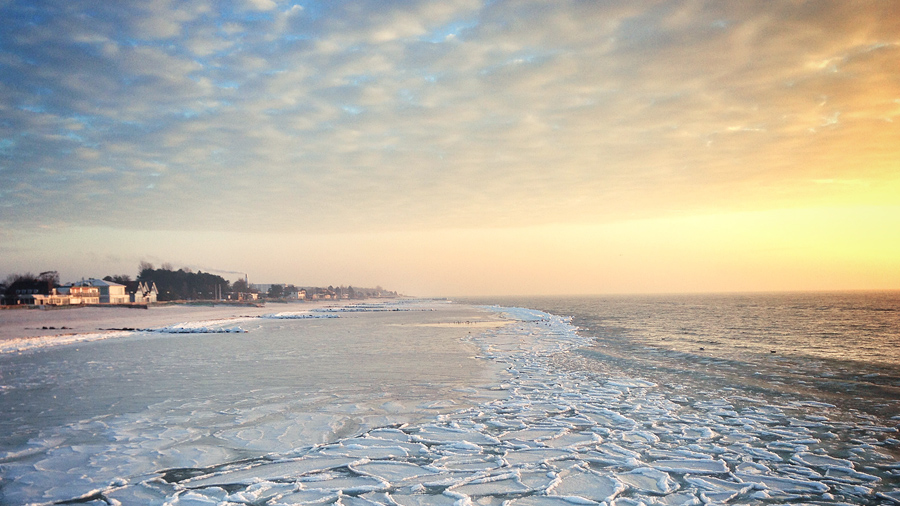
point(46, 327)
point(425, 403)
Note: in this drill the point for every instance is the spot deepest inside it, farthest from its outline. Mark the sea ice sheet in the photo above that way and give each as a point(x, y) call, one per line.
point(557, 436)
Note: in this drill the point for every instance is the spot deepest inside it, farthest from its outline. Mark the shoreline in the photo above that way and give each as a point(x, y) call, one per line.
point(31, 327)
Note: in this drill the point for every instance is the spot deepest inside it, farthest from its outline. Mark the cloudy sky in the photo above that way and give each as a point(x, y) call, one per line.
point(456, 147)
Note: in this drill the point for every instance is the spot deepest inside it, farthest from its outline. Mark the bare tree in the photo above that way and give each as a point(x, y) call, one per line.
point(50, 277)
point(12, 278)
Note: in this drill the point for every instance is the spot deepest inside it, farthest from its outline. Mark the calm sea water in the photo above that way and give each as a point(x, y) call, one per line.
point(841, 348)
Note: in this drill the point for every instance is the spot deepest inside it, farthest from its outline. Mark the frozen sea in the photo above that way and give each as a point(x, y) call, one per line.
point(783, 399)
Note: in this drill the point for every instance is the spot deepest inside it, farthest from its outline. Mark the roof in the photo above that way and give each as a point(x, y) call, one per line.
point(97, 283)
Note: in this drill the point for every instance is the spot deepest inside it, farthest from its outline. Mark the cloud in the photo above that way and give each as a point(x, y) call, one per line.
point(260, 5)
point(366, 115)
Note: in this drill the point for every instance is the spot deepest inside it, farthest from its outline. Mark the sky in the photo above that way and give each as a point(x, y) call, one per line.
point(459, 147)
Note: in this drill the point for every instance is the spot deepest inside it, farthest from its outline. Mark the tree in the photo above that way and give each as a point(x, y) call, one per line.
point(183, 285)
point(50, 277)
point(19, 279)
point(240, 286)
point(143, 266)
point(276, 291)
point(122, 279)
point(12, 278)
point(28, 281)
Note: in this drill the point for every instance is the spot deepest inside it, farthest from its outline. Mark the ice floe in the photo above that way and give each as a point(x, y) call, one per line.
point(586, 484)
point(783, 484)
point(190, 329)
point(817, 460)
point(298, 315)
point(692, 466)
point(645, 479)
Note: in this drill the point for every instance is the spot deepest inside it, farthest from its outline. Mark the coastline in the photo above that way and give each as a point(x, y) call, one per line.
point(27, 328)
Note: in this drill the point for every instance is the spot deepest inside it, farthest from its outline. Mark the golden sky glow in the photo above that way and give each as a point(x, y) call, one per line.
point(457, 147)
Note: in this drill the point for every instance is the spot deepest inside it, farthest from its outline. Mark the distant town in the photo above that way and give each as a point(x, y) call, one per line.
point(164, 285)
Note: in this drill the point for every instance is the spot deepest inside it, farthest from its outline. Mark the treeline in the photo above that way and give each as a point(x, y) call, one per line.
point(184, 284)
point(43, 283)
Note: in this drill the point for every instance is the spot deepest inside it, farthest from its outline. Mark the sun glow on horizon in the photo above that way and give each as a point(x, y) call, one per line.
point(462, 148)
point(818, 249)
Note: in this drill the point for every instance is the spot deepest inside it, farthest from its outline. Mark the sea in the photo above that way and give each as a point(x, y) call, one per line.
point(842, 348)
point(787, 398)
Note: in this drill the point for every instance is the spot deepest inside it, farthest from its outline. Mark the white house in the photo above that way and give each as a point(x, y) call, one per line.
point(53, 299)
point(81, 294)
point(145, 294)
point(110, 291)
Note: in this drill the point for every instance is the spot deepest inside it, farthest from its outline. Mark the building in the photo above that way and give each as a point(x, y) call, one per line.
point(145, 293)
point(110, 291)
point(295, 294)
point(324, 294)
point(261, 287)
point(23, 291)
point(54, 298)
point(86, 295)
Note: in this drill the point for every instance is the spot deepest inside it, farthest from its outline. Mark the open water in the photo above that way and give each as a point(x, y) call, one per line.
point(624, 401)
point(842, 348)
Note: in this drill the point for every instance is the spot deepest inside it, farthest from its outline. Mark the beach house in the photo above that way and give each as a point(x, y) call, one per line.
point(79, 294)
point(54, 298)
point(110, 291)
point(145, 293)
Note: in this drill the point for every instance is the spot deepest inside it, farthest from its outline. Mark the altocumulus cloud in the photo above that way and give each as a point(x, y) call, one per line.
point(389, 115)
